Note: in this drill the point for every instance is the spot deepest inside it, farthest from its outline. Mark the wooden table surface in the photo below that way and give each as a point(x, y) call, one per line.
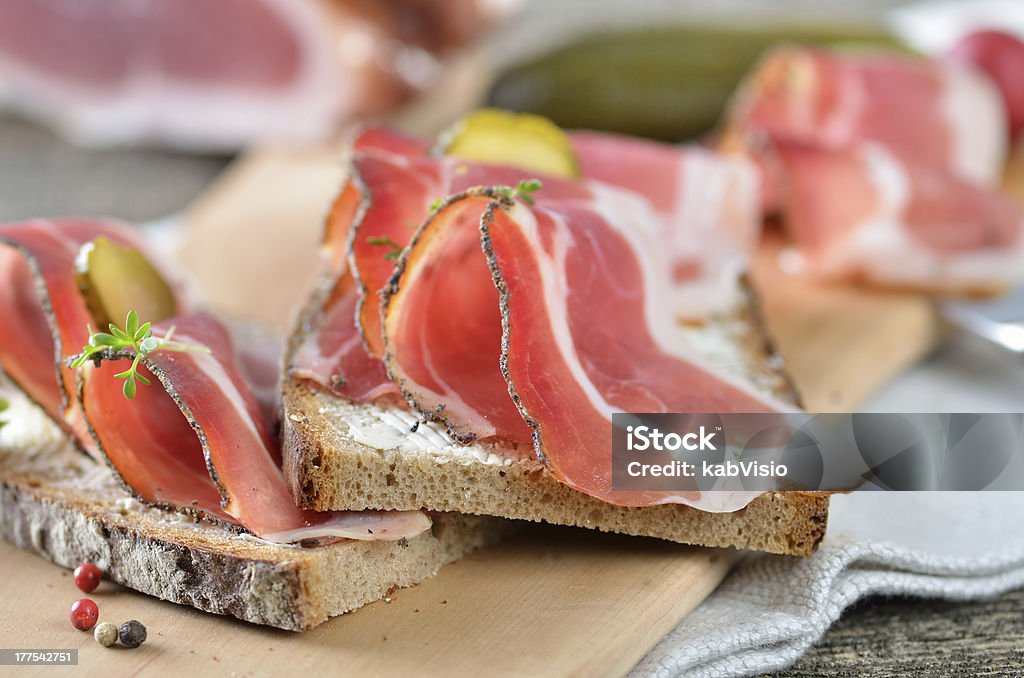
point(41, 176)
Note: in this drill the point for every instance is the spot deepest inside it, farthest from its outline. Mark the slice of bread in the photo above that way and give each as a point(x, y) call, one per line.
point(61, 504)
point(339, 454)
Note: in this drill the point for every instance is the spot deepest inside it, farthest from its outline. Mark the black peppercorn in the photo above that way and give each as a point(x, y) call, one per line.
point(132, 633)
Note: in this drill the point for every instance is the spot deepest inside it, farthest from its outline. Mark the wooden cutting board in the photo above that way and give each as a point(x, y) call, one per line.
point(840, 342)
point(546, 602)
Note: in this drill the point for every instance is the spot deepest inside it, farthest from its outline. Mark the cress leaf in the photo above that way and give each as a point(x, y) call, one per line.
point(395, 250)
point(131, 324)
point(119, 333)
point(104, 340)
point(138, 338)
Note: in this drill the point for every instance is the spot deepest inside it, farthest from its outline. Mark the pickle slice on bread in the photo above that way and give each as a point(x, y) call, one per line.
point(115, 279)
point(531, 142)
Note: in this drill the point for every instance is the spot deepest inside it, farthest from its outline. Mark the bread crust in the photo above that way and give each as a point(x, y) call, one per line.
point(327, 469)
point(59, 503)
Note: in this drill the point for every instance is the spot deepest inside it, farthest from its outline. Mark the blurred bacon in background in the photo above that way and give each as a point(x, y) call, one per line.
point(218, 75)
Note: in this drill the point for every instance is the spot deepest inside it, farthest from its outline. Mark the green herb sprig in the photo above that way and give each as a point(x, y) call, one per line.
point(524, 190)
point(395, 250)
point(137, 338)
point(3, 407)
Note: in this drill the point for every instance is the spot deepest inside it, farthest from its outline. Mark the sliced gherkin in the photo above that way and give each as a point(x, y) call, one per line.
point(114, 280)
point(528, 141)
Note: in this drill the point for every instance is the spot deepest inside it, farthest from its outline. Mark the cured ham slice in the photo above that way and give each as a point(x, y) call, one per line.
point(708, 202)
point(222, 74)
point(945, 115)
point(199, 439)
point(705, 202)
point(36, 335)
point(884, 168)
point(567, 365)
point(447, 363)
point(391, 186)
point(860, 212)
point(200, 442)
point(331, 352)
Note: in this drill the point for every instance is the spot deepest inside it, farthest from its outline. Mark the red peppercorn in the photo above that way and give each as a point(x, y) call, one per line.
point(84, 614)
point(87, 577)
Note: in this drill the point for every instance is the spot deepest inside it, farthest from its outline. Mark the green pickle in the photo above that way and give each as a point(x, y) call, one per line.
point(667, 83)
point(522, 140)
point(114, 280)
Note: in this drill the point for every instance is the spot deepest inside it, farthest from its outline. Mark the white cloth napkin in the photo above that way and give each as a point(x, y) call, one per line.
point(954, 545)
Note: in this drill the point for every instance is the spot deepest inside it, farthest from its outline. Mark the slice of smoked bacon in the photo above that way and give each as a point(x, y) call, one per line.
point(707, 201)
point(387, 190)
point(227, 74)
point(443, 329)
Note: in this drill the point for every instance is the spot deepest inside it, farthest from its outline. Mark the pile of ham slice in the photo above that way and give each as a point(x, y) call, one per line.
point(219, 74)
point(531, 319)
point(197, 439)
point(884, 167)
